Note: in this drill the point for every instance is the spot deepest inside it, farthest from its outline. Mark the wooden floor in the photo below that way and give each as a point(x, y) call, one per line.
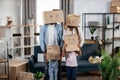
point(85, 76)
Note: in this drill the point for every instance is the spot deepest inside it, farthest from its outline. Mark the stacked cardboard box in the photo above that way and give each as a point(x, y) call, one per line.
point(115, 6)
point(26, 75)
point(15, 68)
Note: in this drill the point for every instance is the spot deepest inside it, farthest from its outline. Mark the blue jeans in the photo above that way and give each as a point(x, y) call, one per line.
point(71, 73)
point(46, 72)
point(53, 70)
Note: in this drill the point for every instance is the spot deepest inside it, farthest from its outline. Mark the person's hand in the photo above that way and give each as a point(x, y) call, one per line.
point(65, 45)
point(79, 46)
point(45, 57)
point(63, 54)
point(79, 53)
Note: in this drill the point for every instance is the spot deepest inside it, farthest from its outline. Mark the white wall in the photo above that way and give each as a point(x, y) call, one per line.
point(93, 6)
point(9, 8)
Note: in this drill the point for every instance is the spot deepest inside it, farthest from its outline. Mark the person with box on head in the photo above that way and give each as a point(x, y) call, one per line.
point(73, 41)
point(51, 42)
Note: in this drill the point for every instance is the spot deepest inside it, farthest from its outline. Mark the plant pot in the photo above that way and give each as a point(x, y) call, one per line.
point(41, 78)
point(92, 38)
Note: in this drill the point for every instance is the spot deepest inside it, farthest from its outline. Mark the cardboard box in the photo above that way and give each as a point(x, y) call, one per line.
point(53, 16)
point(15, 67)
point(92, 23)
point(53, 52)
point(72, 42)
point(115, 3)
point(26, 75)
point(72, 20)
point(114, 9)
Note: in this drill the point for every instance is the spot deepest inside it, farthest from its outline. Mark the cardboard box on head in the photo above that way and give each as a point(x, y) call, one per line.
point(72, 20)
point(115, 3)
point(72, 42)
point(53, 16)
point(114, 9)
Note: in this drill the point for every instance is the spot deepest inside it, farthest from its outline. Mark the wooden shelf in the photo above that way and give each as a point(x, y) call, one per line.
point(116, 21)
point(4, 26)
point(116, 38)
point(3, 76)
point(109, 28)
point(3, 60)
point(94, 26)
point(88, 41)
point(108, 42)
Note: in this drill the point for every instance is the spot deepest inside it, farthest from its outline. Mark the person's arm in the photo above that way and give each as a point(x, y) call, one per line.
point(81, 37)
point(42, 38)
point(60, 36)
point(81, 42)
point(42, 42)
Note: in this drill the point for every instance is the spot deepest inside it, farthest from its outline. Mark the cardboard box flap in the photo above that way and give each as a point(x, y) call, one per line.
point(53, 16)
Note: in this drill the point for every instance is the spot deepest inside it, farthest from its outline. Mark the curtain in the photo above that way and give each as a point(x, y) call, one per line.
point(67, 6)
point(28, 10)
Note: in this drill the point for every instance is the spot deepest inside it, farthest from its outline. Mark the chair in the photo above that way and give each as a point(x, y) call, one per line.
point(33, 64)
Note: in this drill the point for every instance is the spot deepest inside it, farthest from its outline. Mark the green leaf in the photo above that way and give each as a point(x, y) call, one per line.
point(109, 66)
point(38, 75)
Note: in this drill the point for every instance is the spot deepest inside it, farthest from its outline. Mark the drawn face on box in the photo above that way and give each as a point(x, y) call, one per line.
point(71, 39)
point(72, 42)
point(53, 16)
point(72, 21)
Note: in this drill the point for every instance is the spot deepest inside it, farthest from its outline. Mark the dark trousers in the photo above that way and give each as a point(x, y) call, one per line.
point(71, 73)
point(59, 71)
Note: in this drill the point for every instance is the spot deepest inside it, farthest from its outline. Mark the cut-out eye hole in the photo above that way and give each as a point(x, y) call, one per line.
point(51, 16)
point(56, 16)
point(69, 21)
point(68, 39)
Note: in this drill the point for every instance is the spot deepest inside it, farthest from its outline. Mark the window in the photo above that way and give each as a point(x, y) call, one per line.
point(45, 5)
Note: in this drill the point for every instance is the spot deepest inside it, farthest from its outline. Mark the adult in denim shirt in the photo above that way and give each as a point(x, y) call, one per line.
point(51, 34)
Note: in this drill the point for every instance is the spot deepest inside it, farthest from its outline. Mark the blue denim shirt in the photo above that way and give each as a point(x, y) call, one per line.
point(44, 36)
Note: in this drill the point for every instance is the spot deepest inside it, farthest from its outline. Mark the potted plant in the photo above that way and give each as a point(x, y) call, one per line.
point(92, 30)
point(38, 76)
point(109, 66)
